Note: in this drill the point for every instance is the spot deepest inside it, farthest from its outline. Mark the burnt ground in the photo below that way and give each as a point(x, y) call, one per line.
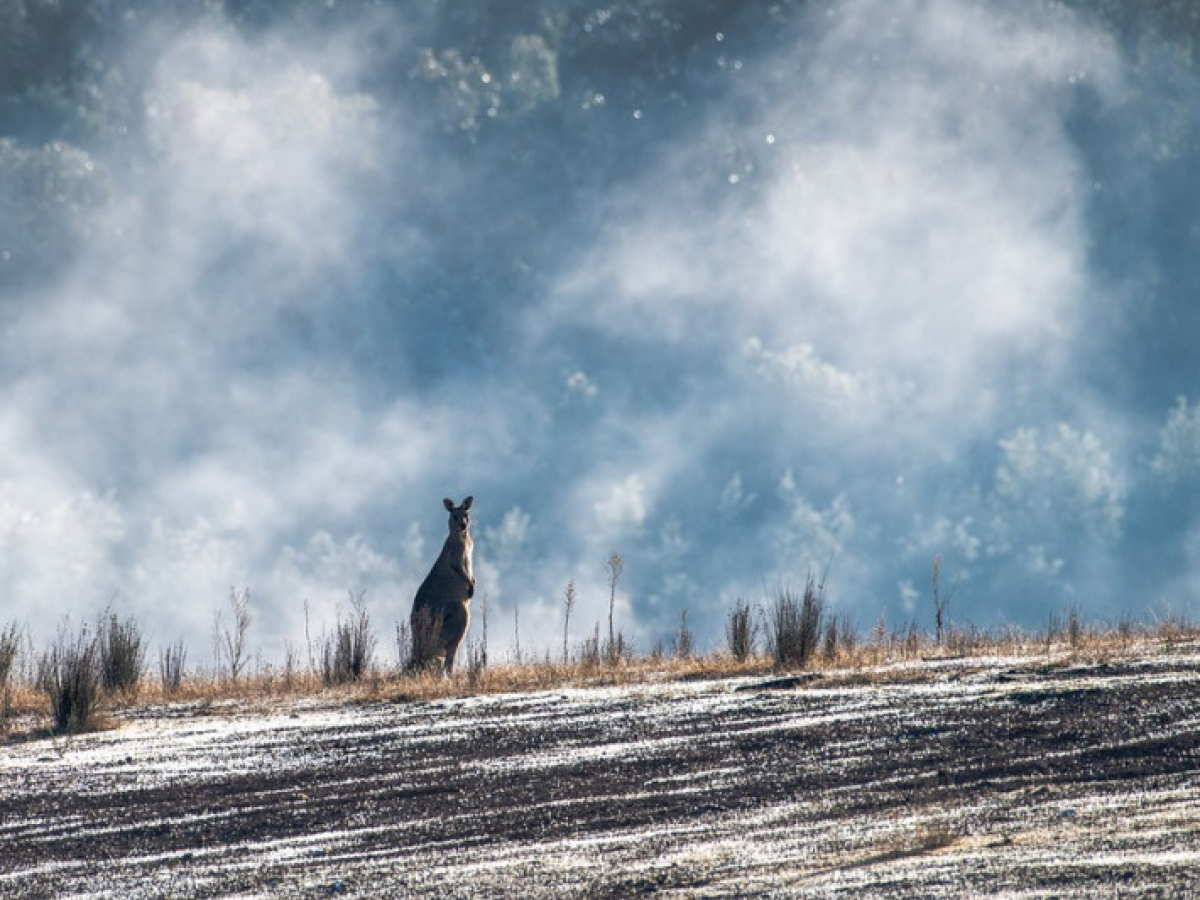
point(979, 777)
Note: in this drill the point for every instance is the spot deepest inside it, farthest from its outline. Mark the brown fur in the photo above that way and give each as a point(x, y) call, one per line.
point(444, 597)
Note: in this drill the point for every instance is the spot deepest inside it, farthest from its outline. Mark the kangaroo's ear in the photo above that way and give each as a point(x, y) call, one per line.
point(448, 503)
point(467, 503)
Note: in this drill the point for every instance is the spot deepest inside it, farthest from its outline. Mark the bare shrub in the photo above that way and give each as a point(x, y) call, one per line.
point(794, 624)
point(1126, 632)
point(965, 641)
point(1074, 627)
point(346, 655)
point(69, 674)
point(940, 600)
point(290, 663)
point(589, 654)
point(617, 650)
point(568, 605)
point(614, 649)
point(229, 640)
point(906, 641)
point(517, 633)
point(740, 631)
point(122, 654)
point(838, 636)
point(308, 639)
point(476, 665)
point(683, 643)
point(658, 651)
point(847, 635)
point(171, 661)
point(1053, 630)
point(1172, 627)
point(1010, 639)
point(879, 636)
point(10, 643)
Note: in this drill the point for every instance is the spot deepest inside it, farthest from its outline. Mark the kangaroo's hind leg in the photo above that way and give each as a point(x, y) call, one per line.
point(454, 629)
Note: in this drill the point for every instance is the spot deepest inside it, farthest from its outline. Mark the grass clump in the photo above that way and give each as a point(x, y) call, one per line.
point(69, 674)
point(122, 656)
point(347, 654)
point(838, 636)
point(741, 632)
point(794, 624)
point(683, 644)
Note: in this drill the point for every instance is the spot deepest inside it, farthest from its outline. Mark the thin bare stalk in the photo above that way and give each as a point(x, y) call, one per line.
point(568, 605)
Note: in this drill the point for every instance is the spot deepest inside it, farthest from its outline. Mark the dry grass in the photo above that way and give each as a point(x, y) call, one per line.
point(917, 840)
point(844, 662)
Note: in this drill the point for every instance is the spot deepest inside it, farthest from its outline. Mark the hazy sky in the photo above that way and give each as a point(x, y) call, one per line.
point(883, 281)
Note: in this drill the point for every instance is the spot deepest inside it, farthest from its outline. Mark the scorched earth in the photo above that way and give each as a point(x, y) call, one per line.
point(1008, 777)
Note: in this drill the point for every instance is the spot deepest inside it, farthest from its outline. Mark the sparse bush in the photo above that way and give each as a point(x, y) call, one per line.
point(290, 662)
point(476, 665)
point(10, 642)
point(230, 640)
point(171, 660)
point(879, 632)
point(963, 641)
point(837, 629)
point(847, 635)
point(940, 600)
point(683, 644)
point(1172, 627)
point(346, 655)
point(1126, 631)
point(616, 650)
point(589, 655)
point(69, 674)
point(906, 641)
point(122, 655)
point(740, 631)
point(1074, 627)
point(794, 624)
point(829, 640)
point(1053, 630)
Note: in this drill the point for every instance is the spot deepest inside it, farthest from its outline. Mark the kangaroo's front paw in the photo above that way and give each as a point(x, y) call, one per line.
point(470, 589)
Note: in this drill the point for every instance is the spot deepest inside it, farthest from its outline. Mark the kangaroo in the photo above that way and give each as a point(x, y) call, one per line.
point(442, 604)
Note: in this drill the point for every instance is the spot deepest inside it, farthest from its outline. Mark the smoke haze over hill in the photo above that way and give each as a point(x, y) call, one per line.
point(742, 291)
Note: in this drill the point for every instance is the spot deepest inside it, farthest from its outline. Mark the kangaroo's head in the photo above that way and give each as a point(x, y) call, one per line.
point(460, 516)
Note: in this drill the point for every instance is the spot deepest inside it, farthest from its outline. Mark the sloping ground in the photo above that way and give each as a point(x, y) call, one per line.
point(1010, 778)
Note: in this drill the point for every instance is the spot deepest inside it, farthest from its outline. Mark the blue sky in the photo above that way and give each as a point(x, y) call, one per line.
point(870, 284)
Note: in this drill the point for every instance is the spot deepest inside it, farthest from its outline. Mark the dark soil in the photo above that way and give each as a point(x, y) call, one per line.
point(958, 779)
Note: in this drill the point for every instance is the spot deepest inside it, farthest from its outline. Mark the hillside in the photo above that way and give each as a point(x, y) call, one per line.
point(1059, 777)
